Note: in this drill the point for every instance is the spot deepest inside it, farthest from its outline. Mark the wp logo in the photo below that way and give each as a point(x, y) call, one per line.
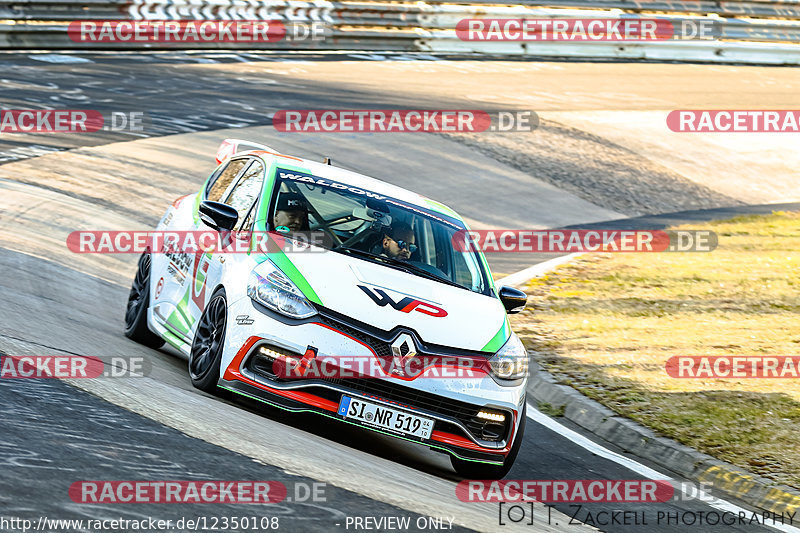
point(406, 305)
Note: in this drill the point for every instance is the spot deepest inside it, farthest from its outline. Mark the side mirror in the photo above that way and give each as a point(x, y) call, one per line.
point(218, 216)
point(513, 299)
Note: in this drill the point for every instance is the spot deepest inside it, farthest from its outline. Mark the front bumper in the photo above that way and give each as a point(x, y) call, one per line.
point(452, 403)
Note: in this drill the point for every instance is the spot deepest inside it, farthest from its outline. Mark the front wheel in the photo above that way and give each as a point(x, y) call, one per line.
point(473, 470)
point(209, 338)
point(138, 303)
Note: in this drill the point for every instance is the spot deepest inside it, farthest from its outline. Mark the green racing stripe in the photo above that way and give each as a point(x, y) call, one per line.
point(287, 267)
point(279, 257)
point(499, 338)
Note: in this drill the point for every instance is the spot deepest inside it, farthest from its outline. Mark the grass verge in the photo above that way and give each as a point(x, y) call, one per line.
point(607, 324)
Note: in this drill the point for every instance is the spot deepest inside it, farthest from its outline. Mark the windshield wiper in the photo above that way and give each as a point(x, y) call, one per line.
point(410, 267)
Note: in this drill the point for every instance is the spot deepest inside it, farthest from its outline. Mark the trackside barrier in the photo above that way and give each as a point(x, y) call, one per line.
point(758, 32)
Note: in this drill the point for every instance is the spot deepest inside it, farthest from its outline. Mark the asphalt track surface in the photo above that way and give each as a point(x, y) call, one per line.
point(158, 427)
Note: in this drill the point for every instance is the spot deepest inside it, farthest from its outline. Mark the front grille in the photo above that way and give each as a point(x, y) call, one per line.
point(406, 396)
point(379, 346)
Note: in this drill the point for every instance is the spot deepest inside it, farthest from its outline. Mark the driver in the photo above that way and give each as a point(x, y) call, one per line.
point(399, 242)
point(291, 213)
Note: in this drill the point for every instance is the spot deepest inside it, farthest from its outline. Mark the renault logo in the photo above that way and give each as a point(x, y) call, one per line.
point(403, 349)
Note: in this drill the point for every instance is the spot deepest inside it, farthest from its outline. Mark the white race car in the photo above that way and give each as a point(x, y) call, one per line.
point(410, 332)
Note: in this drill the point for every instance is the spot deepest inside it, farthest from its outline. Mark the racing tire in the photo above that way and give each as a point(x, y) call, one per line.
point(205, 356)
point(473, 470)
point(138, 303)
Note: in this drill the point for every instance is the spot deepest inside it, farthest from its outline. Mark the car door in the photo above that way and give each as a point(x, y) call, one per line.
point(180, 295)
point(243, 195)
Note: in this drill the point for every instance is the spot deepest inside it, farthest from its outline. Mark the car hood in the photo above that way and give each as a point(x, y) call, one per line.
point(386, 298)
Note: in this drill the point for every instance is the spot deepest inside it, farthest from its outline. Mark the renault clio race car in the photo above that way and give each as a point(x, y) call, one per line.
point(243, 319)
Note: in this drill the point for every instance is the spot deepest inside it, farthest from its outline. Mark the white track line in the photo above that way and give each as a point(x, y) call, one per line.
point(539, 269)
point(592, 447)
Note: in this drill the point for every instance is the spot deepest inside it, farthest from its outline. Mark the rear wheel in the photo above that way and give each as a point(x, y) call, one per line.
point(209, 338)
point(138, 303)
point(473, 470)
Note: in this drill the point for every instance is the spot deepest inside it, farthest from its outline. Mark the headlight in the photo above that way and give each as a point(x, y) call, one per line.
point(269, 286)
point(511, 361)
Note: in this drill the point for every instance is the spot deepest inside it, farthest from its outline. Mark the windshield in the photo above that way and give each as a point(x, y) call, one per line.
point(376, 228)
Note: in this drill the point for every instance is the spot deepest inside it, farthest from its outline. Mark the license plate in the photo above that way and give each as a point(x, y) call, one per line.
point(383, 417)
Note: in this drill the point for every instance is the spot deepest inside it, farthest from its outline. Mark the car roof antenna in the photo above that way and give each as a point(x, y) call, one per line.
point(327, 161)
